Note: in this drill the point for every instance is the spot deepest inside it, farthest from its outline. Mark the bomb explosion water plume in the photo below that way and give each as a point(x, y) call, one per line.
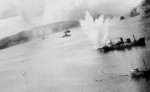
point(32, 13)
point(97, 31)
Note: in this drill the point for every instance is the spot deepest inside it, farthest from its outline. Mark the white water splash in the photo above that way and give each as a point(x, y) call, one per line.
point(97, 31)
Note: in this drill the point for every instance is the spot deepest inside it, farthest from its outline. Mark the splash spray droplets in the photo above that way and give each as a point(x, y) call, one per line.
point(96, 30)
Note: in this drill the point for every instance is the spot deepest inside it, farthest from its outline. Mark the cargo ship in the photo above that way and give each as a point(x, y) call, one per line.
point(121, 44)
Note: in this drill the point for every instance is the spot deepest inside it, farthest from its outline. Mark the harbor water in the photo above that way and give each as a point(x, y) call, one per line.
point(71, 64)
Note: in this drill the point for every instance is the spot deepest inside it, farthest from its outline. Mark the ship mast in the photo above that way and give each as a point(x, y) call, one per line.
point(132, 65)
point(134, 38)
point(144, 63)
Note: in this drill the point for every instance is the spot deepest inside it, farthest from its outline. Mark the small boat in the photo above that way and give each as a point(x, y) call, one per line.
point(66, 33)
point(65, 36)
point(120, 45)
point(137, 72)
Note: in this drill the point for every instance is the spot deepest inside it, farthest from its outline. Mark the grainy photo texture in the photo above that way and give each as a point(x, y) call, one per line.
point(74, 45)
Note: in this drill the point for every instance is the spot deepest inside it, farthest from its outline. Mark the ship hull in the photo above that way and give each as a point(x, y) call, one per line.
point(140, 42)
point(141, 73)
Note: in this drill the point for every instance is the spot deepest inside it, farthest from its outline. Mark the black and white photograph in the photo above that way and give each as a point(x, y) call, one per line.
point(74, 45)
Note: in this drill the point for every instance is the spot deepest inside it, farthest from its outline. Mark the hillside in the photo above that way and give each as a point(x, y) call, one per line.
point(144, 9)
point(37, 32)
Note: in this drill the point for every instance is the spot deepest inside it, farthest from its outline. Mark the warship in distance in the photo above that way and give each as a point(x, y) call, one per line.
point(137, 72)
point(121, 44)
